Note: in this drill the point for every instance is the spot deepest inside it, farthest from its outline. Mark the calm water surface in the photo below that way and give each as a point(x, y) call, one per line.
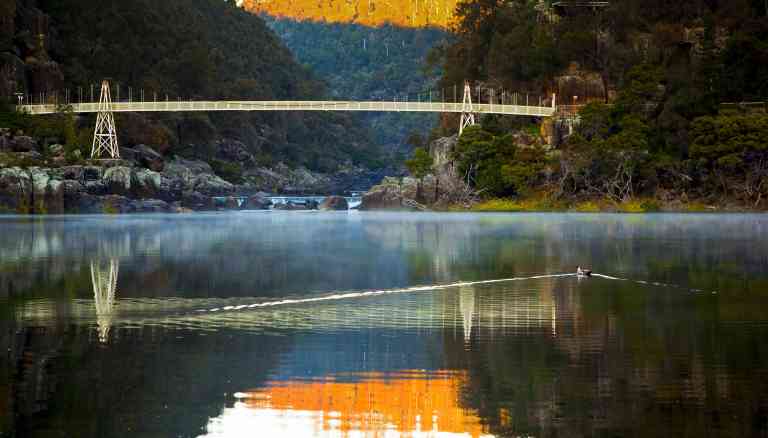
point(270, 324)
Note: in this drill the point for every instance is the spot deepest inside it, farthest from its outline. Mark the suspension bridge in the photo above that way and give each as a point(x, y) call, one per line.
point(105, 132)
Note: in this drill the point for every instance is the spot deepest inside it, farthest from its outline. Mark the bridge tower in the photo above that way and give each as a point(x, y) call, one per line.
point(105, 133)
point(104, 281)
point(467, 116)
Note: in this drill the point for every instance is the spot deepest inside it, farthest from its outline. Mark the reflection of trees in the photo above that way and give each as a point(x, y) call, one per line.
point(147, 384)
point(620, 361)
point(271, 255)
point(672, 362)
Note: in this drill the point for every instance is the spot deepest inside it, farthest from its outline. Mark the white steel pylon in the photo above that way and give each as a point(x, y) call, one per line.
point(467, 116)
point(105, 133)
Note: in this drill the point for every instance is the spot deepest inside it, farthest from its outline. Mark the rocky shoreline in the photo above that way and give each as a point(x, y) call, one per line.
point(145, 181)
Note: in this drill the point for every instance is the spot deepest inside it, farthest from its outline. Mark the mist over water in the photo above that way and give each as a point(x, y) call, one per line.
point(329, 324)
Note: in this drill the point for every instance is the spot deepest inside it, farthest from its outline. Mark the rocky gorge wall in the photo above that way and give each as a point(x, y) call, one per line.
point(24, 62)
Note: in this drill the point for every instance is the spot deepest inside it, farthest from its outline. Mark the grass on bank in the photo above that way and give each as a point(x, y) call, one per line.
point(543, 204)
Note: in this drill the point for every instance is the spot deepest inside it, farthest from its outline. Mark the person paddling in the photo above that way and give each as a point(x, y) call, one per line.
point(583, 272)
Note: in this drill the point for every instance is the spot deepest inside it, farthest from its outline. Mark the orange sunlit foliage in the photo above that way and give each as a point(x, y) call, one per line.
point(409, 402)
point(408, 13)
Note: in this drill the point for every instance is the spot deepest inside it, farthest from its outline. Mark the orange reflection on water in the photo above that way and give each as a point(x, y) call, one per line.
point(376, 404)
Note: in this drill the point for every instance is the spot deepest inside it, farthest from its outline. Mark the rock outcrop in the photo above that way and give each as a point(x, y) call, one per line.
point(338, 203)
point(121, 188)
point(397, 194)
point(259, 201)
point(441, 188)
point(15, 190)
point(145, 156)
point(28, 183)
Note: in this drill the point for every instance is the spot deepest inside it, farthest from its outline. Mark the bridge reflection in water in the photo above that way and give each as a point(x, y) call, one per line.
point(104, 279)
point(468, 310)
point(379, 395)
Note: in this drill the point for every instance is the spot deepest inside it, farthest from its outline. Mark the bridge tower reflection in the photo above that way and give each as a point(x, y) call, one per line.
point(104, 280)
point(467, 309)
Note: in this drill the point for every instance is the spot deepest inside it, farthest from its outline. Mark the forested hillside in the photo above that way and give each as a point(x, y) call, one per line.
point(190, 49)
point(652, 81)
point(368, 63)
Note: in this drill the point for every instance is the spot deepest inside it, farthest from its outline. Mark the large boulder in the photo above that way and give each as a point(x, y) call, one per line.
point(301, 180)
point(171, 189)
point(92, 173)
point(73, 192)
point(54, 197)
point(149, 158)
point(150, 206)
point(68, 172)
point(145, 183)
point(226, 203)
point(22, 143)
point(97, 188)
point(118, 180)
point(195, 200)
point(5, 140)
point(212, 185)
point(56, 150)
point(400, 194)
point(186, 170)
point(385, 196)
point(15, 190)
point(292, 206)
point(257, 202)
point(47, 193)
point(423, 192)
point(268, 179)
point(334, 203)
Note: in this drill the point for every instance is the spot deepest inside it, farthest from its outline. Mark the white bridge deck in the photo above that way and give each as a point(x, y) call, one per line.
point(382, 106)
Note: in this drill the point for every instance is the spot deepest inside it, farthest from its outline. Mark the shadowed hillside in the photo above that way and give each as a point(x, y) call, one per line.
point(180, 49)
point(362, 62)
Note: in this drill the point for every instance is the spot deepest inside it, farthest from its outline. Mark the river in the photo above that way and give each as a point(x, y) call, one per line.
point(336, 324)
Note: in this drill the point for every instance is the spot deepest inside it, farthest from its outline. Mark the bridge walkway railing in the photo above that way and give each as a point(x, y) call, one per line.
point(370, 106)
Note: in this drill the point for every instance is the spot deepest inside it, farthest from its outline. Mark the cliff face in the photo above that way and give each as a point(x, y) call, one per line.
point(408, 13)
point(24, 61)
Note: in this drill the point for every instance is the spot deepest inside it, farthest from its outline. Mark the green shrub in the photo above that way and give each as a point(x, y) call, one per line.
point(231, 172)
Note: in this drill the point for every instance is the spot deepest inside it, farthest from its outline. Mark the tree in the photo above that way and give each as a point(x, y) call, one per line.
point(421, 163)
point(419, 166)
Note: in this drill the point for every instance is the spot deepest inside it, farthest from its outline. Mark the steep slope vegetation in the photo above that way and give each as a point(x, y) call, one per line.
point(197, 49)
point(652, 81)
point(368, 63)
